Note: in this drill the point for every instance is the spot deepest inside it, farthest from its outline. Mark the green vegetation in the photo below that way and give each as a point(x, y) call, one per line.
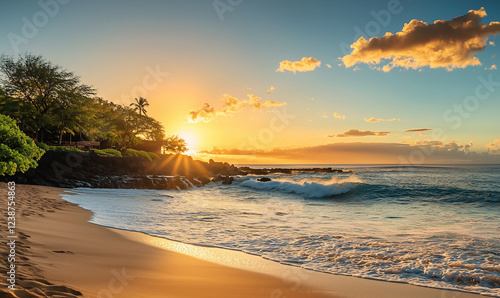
point(57, 148)
point(108, 152)
point(139, 153)
point(50, 104)
point(18, 152)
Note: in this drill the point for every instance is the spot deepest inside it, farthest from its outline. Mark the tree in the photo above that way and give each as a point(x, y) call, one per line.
point(140, 105)
point(46, 100)
point(130, 128)
point(42, 89)
point(18, 152)
point(175, 144)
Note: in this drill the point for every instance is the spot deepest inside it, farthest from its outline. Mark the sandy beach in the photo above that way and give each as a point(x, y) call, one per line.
point(60, 254)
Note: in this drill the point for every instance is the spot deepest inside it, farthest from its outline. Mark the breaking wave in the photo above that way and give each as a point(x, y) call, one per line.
point(307, 188)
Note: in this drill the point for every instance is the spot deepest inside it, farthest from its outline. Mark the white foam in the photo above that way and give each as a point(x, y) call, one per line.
point(307, 188)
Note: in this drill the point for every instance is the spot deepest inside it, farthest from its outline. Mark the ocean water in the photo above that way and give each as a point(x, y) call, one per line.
point(435, 226)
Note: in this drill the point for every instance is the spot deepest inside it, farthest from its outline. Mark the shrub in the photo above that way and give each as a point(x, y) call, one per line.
point(108, 152)
point(139, 153)
point(18, 152)
point(57, 148)
point(43, 146)
point(153, 155)
point(65, 149)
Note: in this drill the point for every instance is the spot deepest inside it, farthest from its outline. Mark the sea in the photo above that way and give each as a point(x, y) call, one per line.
point(435, 226)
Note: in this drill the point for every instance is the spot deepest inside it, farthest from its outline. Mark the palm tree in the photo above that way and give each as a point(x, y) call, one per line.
point(140, 105)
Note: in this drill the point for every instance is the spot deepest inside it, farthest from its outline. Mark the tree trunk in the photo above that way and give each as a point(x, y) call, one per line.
point(60, 137)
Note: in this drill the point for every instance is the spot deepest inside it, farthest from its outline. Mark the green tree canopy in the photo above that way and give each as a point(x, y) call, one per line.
point(42, 91)
point(18, 152)
point(129, 128)
point(46, 100)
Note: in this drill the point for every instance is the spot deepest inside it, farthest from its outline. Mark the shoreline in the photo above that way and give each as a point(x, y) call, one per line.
point(87, 257)
point(321, 280)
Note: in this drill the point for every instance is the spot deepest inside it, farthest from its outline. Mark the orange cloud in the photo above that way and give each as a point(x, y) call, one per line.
point(417, 129)
point(446, 44)
point(271, 89)
point(338, 116)
point(376, 120)
point(230, 105)
point(433, 152)
point(204, 114)
point(360, 133)
point(306, 64)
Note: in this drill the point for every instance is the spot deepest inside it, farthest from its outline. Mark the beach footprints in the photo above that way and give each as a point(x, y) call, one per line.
point(120, 279)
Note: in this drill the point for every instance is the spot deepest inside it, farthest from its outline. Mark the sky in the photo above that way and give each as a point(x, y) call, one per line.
point(287, 82)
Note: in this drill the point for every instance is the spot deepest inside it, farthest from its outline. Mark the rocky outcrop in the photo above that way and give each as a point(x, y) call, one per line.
point(252, 171)
point(76, 169)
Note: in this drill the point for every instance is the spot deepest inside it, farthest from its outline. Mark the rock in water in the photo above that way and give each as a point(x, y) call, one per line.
point(264, 179)
point(227, 180)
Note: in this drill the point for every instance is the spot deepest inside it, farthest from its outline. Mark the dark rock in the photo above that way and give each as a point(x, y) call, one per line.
point(228, 180)
point(180, 183)
point(204, 180)
point(21, 180)
point(264, 179)
point(196, 182)
point(147, 183)
point(171, 184)
point(217, 178)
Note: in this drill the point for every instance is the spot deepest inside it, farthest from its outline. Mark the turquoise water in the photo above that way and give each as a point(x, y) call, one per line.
point(432, 226)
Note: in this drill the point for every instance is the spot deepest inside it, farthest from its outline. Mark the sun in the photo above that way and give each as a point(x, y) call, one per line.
point(191, 141)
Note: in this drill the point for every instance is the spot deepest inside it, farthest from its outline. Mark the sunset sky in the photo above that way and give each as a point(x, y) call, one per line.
point(287, 81)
